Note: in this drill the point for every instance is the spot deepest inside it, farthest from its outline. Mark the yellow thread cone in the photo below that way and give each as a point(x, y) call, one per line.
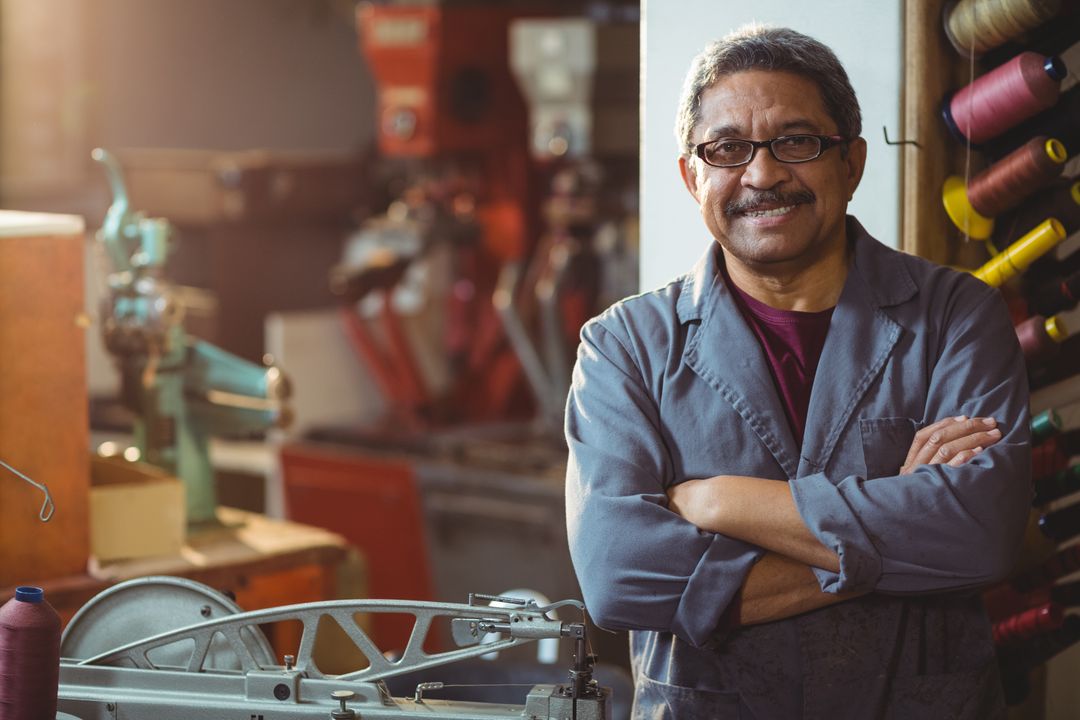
point(1017, 257)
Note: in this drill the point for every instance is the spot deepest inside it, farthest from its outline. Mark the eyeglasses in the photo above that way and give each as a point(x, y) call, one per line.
point(732, 152)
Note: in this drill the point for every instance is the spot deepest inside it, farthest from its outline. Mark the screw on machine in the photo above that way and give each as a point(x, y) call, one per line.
point(343, 696)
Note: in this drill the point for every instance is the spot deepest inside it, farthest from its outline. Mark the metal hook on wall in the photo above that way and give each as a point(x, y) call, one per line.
point(48, 507)
point(898, 142)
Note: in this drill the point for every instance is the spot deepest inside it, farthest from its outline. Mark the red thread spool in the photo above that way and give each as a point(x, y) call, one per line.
point(1029, 623)
point(1004, 97)
point(1020, 173)
point(29, 656)
point(1004, 601)
point(1056, 295)
point(1048, 459)
point(1061, 121)
point(1002, 186)
point(1040, 337)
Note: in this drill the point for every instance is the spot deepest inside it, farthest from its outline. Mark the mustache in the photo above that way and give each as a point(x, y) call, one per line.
point(769, 197)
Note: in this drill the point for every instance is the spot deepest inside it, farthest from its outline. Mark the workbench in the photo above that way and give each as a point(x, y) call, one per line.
point(260, 561)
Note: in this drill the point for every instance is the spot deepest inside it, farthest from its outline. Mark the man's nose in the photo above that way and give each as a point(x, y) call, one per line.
point(764, 171)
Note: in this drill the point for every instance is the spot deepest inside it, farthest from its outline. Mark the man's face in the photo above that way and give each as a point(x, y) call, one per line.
point(772, 216)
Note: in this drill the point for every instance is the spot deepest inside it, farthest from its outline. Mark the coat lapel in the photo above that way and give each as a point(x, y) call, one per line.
point(861, 338)
point(725, 353)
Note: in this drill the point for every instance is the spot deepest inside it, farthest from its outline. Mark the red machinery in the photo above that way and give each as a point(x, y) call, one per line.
point(446, 97)
point(451, 119)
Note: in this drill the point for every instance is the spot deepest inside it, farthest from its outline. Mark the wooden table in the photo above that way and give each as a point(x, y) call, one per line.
point(260, 561)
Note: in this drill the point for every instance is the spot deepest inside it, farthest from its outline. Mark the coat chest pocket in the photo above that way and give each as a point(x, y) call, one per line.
point(885, 444)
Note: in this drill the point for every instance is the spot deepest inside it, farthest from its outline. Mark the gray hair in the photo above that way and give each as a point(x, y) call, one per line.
point(758, 47)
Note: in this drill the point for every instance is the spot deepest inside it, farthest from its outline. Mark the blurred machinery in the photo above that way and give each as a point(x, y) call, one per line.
point(163, 648)
point(509, 148)
point(579, 77)
point(512, 237)
point(451, 121)
point(181, 389)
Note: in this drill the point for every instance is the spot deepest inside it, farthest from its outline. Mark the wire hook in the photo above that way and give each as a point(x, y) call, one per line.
point(898, 142)
point(48, 507)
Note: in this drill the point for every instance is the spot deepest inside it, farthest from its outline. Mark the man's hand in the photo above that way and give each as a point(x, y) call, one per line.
point(952, 441)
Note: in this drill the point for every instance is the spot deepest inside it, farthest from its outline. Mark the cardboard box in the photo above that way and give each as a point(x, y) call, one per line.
point(136, 510)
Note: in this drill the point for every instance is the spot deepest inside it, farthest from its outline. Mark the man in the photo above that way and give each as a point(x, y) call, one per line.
point(791, 469)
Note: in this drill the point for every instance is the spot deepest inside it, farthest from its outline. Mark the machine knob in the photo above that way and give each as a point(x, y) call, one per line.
point(343, 696)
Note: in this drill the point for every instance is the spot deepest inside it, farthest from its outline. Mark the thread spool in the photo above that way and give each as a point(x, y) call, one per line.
point(1036, 650)
point(1062, 483)
point(1020, 173)
point(1004, 97)
point(1003, 601)
point(1061, 121)
point(1062, 524)
point(1048, 458)
point(1056, 295)
point(1045, 646)
point(975, 26)
point(1002, 185)
point(1063, 366)
point(29, 656)
point(1017, 257)
point(1040, 337)
point(1060, 200)
point(1017, 660)
point(1044, 426)
point(1029, 623)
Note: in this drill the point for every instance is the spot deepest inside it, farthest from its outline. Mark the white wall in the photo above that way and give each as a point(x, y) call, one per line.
point(868, 39)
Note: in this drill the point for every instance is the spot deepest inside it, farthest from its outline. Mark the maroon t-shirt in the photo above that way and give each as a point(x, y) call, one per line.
point(792, 343)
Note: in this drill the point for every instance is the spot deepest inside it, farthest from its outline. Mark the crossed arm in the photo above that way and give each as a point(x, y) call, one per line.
point(763, 512)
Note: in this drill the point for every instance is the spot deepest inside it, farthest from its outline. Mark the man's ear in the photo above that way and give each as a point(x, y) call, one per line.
point(689, 175)
point(856, 163)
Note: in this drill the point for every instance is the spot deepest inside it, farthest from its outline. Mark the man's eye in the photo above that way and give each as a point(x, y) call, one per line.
point(796, 141)
point(729, 148)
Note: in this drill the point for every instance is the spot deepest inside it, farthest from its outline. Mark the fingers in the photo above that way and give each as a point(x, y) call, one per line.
point(923, 435)
point(963, 456)
point(958, 439)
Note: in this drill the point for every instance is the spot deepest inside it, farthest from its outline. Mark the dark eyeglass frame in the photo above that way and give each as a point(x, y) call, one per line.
point(825, 142)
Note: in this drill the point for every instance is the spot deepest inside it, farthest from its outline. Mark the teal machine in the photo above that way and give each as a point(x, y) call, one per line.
point(182, 390)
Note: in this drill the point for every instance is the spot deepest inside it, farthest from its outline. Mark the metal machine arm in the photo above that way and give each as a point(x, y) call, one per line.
point(128, 678)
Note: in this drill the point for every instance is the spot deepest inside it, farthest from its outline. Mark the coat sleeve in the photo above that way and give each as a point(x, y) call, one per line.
point(640, 565)
point(939, 528)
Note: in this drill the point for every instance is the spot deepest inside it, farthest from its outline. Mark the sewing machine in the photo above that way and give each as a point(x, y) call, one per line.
point(182, 390)
point(172, 649)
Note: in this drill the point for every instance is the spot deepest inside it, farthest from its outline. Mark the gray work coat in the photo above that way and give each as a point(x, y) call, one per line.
point(672, 385)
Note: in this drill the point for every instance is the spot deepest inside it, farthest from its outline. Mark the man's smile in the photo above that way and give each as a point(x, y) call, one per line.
point(783, 210)
point(769, 204)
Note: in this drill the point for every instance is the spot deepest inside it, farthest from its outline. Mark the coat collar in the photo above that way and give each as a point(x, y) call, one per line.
point(886, 281)
point(727, 355)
